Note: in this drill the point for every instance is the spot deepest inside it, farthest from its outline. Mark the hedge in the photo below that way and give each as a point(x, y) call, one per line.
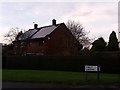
point(109, 62)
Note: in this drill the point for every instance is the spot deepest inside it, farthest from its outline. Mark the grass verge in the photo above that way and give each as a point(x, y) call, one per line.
point(61, 77)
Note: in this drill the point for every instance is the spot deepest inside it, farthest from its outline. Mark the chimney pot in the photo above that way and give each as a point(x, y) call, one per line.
point(53, 22)
point(35, 26)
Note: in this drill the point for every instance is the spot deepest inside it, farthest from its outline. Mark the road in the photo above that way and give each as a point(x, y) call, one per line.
point(31, 86)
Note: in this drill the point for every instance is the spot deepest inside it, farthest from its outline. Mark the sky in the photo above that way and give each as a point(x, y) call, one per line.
point(97, 18)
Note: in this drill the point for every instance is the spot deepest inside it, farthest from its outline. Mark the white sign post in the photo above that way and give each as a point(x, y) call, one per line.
point(92, 68)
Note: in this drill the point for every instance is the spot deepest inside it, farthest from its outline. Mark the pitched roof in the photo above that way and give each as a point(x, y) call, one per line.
point(44, 32)
point(39, 32)
point(27, 34)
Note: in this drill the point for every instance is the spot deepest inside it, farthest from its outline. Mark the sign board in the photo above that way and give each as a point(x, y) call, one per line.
point(91, 68)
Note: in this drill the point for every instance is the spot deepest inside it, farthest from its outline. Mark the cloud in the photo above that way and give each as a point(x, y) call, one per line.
point(91, 12)
point(98, 18)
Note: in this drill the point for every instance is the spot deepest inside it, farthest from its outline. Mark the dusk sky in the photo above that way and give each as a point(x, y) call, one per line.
point(98, 18)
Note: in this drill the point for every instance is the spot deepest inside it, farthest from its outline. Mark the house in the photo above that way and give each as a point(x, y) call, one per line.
point(55, 39)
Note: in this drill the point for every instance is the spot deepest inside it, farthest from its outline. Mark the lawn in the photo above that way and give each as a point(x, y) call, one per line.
point(61, 77)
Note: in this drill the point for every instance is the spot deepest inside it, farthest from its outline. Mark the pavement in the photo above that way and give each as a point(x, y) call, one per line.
point(34, 86)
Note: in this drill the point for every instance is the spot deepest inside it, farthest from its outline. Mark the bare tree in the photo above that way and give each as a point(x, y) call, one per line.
point(78, 32)
point(12, 34)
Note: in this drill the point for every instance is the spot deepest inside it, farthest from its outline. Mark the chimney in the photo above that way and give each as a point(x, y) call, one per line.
point(53, 22)
point(35, 26)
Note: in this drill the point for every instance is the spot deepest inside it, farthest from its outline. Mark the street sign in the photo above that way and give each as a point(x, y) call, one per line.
point(91, 68)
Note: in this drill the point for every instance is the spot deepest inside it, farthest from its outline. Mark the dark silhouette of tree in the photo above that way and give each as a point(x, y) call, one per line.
point(99, 45)
point(12, 34)
point(10, 37)
point(113, 42)
point(78, 32)
point(7, 50)
point(18, 35)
